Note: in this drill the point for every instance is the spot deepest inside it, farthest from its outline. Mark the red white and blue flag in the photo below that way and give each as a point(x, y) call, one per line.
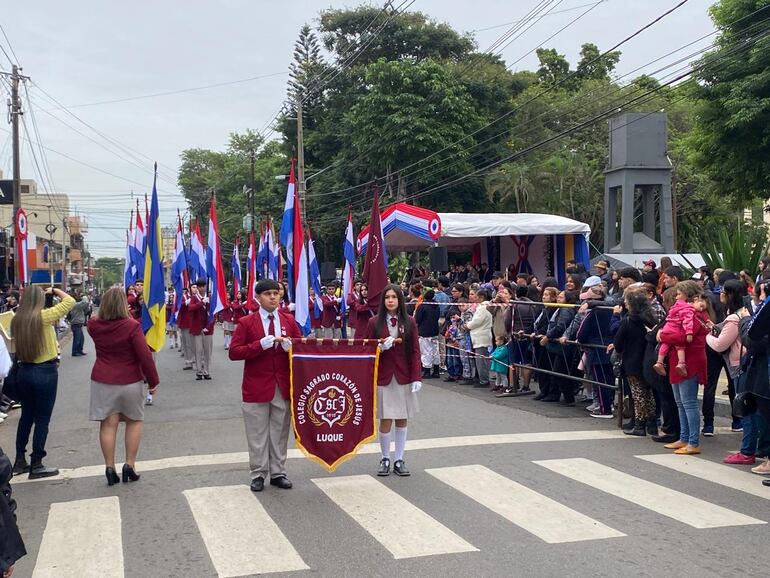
point(315, 276)
point(197, 254)
point(349, 266)
point(301, 281)
point(251, 272)
point(138, 247)
point(218, 299)
point(236, 264)
point(178, 270)
point(287, 234)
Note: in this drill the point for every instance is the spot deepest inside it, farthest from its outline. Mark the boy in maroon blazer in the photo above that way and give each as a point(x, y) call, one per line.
point(263, 340)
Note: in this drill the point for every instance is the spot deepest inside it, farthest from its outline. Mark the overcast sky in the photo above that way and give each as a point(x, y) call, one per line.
point(94, 51)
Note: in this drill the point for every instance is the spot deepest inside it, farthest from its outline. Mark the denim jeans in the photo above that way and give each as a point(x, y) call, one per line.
point(77, 339)
point(750, 425)
point(453, 364)
point(37, 383)
point(686, 396)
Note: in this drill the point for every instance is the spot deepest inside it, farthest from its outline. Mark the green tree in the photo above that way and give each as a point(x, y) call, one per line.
point(732, 130)
point(109, 271)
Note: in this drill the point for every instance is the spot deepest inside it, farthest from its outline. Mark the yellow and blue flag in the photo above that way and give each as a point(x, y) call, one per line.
point(154, 307)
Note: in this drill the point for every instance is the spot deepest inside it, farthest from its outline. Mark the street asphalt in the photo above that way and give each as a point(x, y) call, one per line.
point(503, 535)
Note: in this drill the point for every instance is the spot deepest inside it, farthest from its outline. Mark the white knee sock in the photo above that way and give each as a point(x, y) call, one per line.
point(400, 442)
point(385, 444)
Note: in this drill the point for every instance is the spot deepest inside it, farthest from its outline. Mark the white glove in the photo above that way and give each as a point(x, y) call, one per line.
point(286, 344)
point(205, 331)
point(292, 307)
point(387, 344)
point(267, 341)
point(205, 299)
point(416, 386)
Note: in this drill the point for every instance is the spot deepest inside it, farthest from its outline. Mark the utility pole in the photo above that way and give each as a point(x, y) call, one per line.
point(15, 114)
point(300, 159)
point(64, 254)
point(252, 193)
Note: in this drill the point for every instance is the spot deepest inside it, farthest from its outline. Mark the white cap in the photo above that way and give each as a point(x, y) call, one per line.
point(592, 281)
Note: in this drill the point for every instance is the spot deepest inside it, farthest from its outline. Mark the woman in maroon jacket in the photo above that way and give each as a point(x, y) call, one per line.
point(400, 372)
point(123, 363)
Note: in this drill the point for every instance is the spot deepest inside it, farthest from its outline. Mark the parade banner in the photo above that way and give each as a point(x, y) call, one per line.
point(333, 398)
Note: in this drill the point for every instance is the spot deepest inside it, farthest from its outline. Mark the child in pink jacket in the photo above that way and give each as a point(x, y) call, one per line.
point(680, 327)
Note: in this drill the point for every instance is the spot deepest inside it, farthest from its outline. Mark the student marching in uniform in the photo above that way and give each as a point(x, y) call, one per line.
point(331, 323)
point(263, 340)
point(226, 318)
point(199, 320)
point(399, 374)
point(171, 331)
point(183, 323)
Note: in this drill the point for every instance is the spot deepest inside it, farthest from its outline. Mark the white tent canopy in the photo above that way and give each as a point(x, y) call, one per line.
point(466, 229)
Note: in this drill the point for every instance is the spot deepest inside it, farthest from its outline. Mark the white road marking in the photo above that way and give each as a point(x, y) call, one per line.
point(82, 539)
point(239, 534)
point(547, 519)
point(402, 528)
point(729, 476)
point(412, 445)
point(671, 503)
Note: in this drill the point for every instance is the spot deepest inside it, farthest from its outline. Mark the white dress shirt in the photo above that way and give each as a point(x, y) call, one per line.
point(263, 313)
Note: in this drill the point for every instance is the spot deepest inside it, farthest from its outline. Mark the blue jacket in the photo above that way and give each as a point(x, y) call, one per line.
point(595, 330)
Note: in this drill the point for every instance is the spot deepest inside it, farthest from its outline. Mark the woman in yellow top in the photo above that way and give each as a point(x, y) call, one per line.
point(37, 353)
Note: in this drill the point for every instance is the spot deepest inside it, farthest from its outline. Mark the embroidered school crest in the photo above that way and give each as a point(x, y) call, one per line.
point(333, 398)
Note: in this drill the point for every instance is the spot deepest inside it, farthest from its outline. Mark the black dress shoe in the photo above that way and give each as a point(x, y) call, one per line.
point(199, 377)
point(40, 471)
point(129, 475)
point(207, 377)
point(281, 482)
point(399, 468)
point(766, 482)
point(384, 469)
point(539, 396)
point(20, 466)
point(257, 484)
point(665, 438)
point(112, 476)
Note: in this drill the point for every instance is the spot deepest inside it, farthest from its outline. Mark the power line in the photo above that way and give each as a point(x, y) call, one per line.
point(584, 124)
point(549, 88)
point(172, 92)
point(10, 46)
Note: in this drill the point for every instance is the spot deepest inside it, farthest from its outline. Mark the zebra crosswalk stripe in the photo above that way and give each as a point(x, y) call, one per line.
point(547, 519)
point(721, 474)
point(401, 527)
point(671, 503)
point(239, 534)
point(82, 539)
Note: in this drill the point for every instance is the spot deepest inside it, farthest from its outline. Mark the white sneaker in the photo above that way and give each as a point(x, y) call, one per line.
point(593, 407)
point(148, 401)
point(3, 415)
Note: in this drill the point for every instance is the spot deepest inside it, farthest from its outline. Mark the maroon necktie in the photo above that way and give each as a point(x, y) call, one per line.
point(271, 326)
point(393, 321)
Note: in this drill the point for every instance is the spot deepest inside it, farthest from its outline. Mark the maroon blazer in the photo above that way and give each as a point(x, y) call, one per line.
point(331, 310)
point(122, 353)
point(363, 312)
point(198, 315)
point(394, 361)
point(263, 369)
